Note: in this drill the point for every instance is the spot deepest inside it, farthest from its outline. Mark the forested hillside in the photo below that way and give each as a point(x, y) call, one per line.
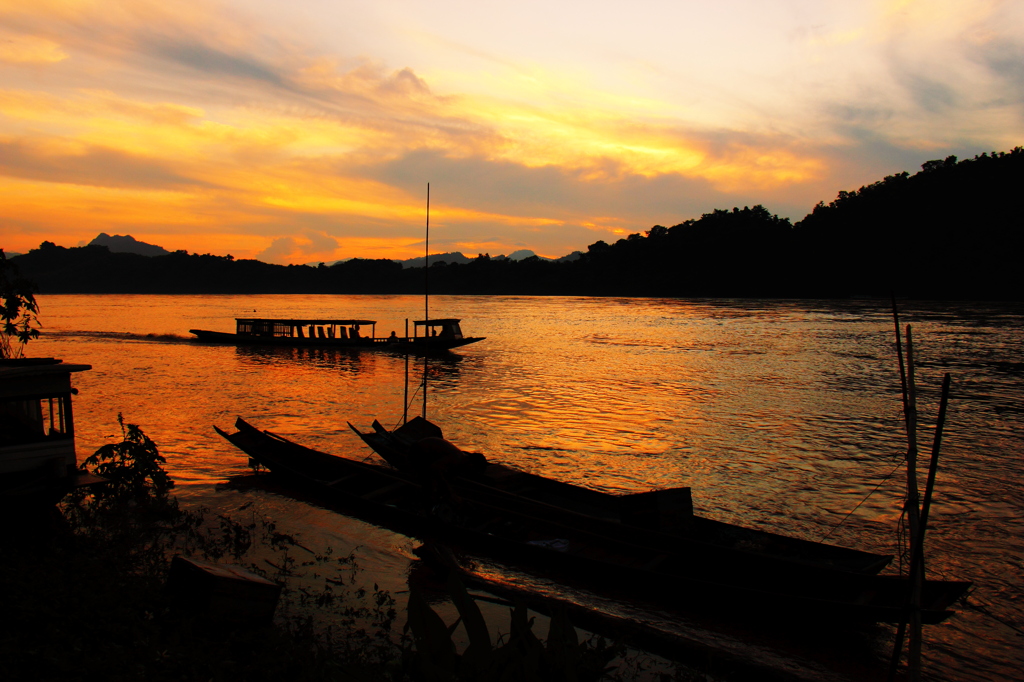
point(952, 230)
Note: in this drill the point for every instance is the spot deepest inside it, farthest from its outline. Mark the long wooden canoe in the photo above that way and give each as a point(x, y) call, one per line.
point(751, 583)
point(657, 518)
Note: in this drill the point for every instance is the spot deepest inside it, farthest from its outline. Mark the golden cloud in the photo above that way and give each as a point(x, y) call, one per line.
point(30, 50)
point(206, 129)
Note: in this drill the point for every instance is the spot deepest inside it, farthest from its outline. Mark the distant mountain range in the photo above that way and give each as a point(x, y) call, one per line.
point(457, 257)
point(127, 244)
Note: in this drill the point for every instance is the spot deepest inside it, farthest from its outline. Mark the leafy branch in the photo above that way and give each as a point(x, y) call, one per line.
point(19, 311)
point(132, 467)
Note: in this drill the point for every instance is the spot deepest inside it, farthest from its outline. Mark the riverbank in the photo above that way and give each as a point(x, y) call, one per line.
point(89, 598)
point(78, 609)
point(86, 593)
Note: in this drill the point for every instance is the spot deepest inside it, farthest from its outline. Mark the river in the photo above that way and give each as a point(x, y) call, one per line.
point(782, 415)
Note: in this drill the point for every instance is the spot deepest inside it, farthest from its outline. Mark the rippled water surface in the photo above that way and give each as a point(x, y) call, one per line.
point(780, 415)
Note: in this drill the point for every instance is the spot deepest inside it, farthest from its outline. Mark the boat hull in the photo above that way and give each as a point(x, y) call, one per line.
point(653, 518)
point(418, 344)
point(679, 576)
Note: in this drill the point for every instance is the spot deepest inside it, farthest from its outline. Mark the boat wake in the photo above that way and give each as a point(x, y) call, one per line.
point(124, 337)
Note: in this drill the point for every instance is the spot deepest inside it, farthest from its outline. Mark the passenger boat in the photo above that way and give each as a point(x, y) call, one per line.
point(438, 334)
point(653, 554)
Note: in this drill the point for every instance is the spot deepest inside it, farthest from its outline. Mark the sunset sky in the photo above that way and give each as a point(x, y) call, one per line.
point(307, 130)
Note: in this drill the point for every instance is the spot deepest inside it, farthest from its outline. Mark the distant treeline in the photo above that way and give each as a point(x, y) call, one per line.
point(953, 230)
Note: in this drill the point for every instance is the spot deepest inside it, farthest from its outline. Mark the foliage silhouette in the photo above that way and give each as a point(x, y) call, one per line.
point(953, 230)
point(18, 310)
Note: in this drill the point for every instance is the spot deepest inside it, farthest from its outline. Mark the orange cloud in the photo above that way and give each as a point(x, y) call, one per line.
point(209, 129)
point(25, 49)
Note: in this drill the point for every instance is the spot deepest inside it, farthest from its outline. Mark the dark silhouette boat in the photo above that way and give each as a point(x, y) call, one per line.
point(656, 518)
point(438, 335)
point(38, 460)
point(648, 544)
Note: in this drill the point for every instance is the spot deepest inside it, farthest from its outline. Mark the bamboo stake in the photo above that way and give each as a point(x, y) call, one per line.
point(913, 509)
point(917, 564)
point(897, 650)
point(911, 504)
point(899, 355)
point(917, 572)
point(917, 559)
point(934, 465)
point(405, 401)
point(901, 630)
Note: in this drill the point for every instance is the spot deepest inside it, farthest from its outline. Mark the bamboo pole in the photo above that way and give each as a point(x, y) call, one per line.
point(917, 558)
point(405, 400)
point(917, 571)
point(901, 629)
point(933, 466)
point(913, 512)
point(920, 523)
point(899, 355)
point(910, 421)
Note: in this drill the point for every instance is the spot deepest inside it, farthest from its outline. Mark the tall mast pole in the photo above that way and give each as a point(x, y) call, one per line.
point(426, 300)
point(426, 268)
point(405, 400)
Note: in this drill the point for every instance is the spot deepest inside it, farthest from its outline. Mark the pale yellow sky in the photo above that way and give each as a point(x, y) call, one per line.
point(307, 131)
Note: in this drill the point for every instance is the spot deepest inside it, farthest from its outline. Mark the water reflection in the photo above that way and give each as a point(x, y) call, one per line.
point(779, 414)
point(349, 359)
point(346, 360)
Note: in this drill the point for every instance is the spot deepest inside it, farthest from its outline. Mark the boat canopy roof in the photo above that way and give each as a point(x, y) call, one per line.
point(36, 377)
point(436, 323)
point(302, 322)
